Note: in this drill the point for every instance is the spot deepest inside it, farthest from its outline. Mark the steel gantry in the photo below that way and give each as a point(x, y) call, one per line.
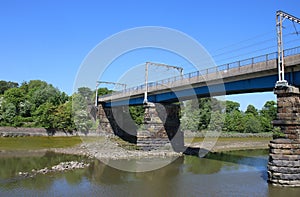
point(280, 17)
point(106, 82)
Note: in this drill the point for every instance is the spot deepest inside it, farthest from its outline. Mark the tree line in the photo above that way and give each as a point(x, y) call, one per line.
point(39, 104)
point(212, 114)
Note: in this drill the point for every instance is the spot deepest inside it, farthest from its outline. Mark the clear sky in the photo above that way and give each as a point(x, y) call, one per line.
point(49, 39)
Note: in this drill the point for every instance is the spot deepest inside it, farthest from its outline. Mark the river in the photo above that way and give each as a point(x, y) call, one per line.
point(235, 173)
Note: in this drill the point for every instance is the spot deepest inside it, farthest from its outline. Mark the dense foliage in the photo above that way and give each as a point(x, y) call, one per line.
point(39, 104)
point(211, 114)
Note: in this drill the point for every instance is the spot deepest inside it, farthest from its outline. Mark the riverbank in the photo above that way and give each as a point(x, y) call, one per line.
point(235, 143)
point(113, 148)
point(107, 148)
point(110, 149)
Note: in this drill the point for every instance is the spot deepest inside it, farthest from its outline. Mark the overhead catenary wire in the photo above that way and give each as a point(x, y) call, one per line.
point(249, 49)
point(243, 41)
point(239, 56)
point(252, 45)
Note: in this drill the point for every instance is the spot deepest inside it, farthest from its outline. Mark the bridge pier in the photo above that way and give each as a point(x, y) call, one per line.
point(117, 121)
point(162, 127)
point(284, 157)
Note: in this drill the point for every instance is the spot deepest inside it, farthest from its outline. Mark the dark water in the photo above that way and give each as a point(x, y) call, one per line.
point(238, 173)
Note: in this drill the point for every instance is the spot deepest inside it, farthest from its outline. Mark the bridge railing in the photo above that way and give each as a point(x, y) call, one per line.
point(185, 79)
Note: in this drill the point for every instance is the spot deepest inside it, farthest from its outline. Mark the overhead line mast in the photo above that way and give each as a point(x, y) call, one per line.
point(180, 69)
point(106, 82)
point(280, 17)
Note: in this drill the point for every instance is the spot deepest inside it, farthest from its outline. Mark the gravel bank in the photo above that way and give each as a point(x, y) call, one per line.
point(111, 150)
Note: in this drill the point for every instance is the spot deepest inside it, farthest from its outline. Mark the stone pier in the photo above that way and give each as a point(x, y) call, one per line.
point(162, 128)
point(117, 121)
point(284, 157)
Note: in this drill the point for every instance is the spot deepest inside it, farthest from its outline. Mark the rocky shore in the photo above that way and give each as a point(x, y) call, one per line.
point(63, 166)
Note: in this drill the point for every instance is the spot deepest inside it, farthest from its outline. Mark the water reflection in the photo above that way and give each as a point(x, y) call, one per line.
point(104, 174)
point(237, 172)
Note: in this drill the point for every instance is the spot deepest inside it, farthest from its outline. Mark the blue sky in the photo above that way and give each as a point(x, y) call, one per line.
point(48, 40)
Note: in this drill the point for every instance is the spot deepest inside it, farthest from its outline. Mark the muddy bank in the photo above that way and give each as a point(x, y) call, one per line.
point(229, 144)
point(24, 132)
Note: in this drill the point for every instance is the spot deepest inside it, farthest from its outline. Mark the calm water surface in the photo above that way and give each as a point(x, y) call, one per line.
point(237, 173)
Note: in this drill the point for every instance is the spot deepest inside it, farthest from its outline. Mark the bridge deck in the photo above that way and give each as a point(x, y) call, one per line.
point(253, 68)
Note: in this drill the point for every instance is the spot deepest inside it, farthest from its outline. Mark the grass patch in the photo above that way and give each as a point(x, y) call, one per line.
point(40, 142)
point(92, 139)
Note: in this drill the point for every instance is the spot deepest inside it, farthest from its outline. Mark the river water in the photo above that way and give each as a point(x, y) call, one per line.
point(236, 173)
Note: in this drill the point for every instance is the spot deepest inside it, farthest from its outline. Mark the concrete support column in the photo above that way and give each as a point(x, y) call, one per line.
point(162, 128)
point(284, 157)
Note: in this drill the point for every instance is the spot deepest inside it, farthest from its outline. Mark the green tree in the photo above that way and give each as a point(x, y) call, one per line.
point(269, 110)
point(234, 122)
point(87, 94)
point(103, 91)
point(8, 114)
point(252, 124)
point(137, 114)
point(232, 106)
point(267, 115)
point(63, 119)
point(216, 121)
point(45, 115)
point(25, 108)
point(5, 85)
point(46, 94)
point(190, 116)
point(80, 108)
point(14, 96)
point(205, 106)
point(266, 124)
point(251, 110)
